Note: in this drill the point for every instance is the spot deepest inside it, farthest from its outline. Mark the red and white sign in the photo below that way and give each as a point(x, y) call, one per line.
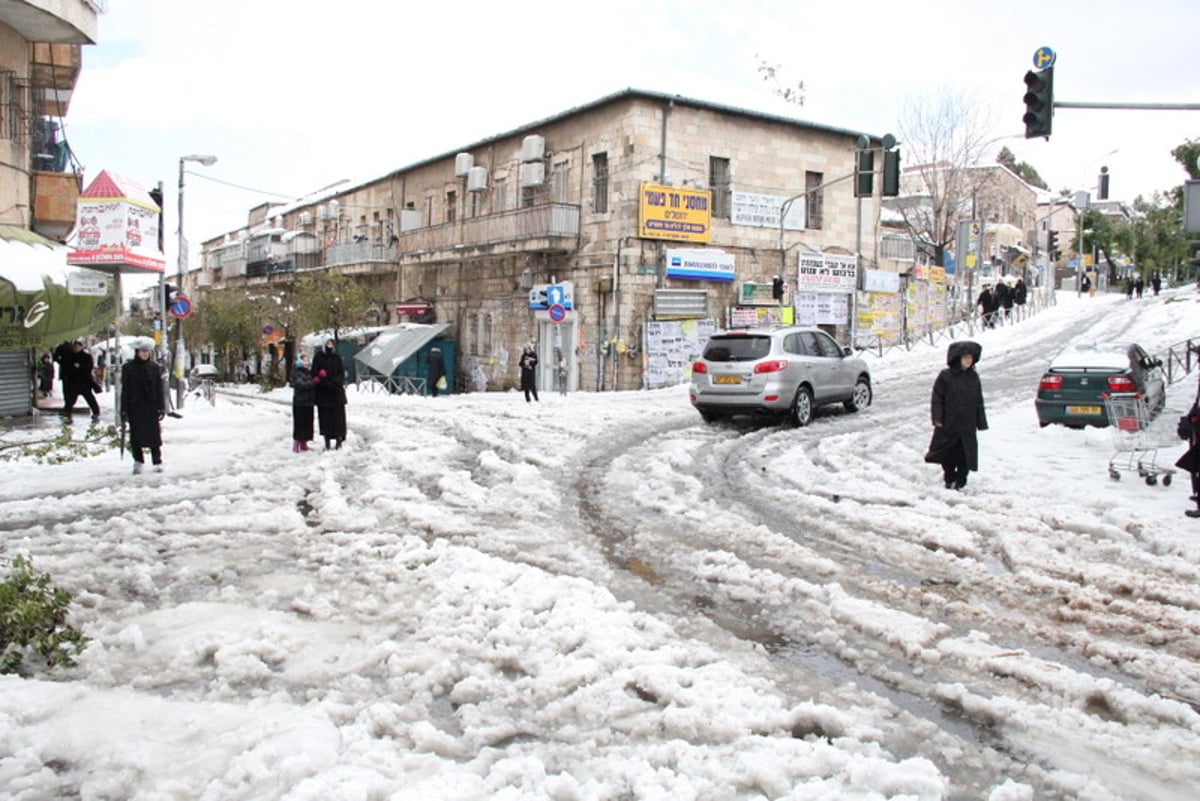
point(116, 227)
point(413, 308)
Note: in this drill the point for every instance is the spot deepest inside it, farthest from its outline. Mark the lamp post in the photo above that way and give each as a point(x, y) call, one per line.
point(181, 264)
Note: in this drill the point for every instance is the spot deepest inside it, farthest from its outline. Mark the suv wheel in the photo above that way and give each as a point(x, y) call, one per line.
point(860, 398)
point(802, 408)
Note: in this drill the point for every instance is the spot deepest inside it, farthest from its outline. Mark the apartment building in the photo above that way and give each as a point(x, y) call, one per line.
point(41, 45)
point(583, 232)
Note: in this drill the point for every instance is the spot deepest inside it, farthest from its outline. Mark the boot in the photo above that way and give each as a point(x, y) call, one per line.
point(137, 468)
point(295, 446)
point(339, 444)
point(327, 443)
point(303, 445)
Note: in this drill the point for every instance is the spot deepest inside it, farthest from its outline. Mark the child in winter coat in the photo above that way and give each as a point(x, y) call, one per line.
point(957, 411)
point(304, 398)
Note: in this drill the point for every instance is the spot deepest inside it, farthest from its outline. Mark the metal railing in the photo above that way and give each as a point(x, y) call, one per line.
point(549, 220)
point(1180, 359)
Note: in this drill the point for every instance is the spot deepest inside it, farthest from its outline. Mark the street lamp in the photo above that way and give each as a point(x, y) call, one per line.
point(181, 265)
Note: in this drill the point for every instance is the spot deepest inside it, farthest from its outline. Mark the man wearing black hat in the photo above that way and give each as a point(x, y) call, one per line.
point(77, 380)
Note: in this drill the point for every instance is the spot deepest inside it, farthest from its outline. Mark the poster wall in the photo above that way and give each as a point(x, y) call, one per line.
point(671, 347)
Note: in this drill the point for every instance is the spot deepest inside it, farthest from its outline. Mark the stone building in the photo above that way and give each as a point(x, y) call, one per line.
point(41, 44)
point(634, 209)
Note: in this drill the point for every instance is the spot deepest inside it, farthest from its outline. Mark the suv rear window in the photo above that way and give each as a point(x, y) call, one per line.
point(737, 349)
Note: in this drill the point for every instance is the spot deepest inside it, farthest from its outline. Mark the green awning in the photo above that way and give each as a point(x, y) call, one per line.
point(36, 310)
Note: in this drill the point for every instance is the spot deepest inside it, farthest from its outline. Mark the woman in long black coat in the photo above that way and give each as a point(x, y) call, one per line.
point(304, 396)
point(1189, 429)
point(957, 411)
point(143, 406)
point(329, 375)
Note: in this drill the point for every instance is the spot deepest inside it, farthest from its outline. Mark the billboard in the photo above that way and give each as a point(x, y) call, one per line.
point(671, 213)
point(116, 228)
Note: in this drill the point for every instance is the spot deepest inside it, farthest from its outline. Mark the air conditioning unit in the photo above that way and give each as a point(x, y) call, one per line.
point(533, 148)
point(477, 179)
point(533, 174)
point(322, 212)
point(463, 163)
point(305, 219)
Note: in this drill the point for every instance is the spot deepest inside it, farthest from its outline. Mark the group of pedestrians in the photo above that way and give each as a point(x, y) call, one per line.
point(319, 384)
point(1136, 286)
point(996, 303)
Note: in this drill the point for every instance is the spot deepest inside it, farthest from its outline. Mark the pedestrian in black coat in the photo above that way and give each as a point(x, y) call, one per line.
point(143, 406)
point(437, 371)
point(957, 412)
point(46, 375)
point(988, 305)
point(77, 380)
point(1004, 299)
point(1189, 429)
point(304, 397)
point(528, 364)
point(1020, 292)
point(329, 375)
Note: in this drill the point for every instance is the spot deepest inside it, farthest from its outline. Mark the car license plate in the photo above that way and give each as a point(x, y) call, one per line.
point(727, 379)
point(1084, 410)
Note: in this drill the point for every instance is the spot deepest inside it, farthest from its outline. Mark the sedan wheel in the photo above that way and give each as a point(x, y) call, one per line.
point(802, 408)
point(861, 397)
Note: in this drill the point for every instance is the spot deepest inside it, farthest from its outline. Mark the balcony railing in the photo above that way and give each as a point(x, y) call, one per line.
point(547, 226)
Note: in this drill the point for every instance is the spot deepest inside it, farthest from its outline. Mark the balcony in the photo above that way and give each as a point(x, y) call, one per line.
point(55, 195)
point(53, 72)
point(548, 228)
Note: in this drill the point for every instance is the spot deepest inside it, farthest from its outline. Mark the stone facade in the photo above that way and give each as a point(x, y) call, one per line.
point(473, 243)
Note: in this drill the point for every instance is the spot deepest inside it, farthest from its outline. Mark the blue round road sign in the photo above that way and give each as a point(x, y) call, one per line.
point(1043, 58)
point(557, 313)
point(180, 306)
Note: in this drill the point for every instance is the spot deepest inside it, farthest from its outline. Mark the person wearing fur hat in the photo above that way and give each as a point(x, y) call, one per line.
point(958, 413)
point(143, 405)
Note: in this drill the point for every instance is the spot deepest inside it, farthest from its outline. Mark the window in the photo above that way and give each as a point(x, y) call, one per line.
point(451, 205)
point(719, 183)
point(429, 210)
point(816, 200)
point(560, 177)
point(600, 183)
point(500, 194)
point(528, 196)
point(487, 333)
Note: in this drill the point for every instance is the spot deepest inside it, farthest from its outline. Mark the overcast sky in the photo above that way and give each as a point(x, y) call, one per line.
point(292, 97)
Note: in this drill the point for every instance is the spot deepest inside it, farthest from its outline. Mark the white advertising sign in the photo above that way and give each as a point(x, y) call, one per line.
point(827, 272)
point(751, 208)
point(702, 264)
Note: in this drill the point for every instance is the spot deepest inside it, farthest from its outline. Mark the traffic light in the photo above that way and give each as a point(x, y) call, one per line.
point(169, 293)
point(1039, 102)
point(777, 288)
point(1052, 245)
point(864, 179)
point(1102, 187)
point(891, 173)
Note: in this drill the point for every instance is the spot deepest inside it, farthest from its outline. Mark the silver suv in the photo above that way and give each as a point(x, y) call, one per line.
point(777, 371)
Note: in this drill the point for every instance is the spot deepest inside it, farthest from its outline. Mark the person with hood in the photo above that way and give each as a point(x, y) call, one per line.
point(329, 376)
point(528, 364)
point(957, 411)
point(46, 375)
point(143, 405)
point(304, 397)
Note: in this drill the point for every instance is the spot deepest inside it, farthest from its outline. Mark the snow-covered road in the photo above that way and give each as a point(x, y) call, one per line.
point(601, 597)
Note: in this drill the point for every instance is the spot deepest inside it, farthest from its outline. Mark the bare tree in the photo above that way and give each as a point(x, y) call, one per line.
point(943, 137)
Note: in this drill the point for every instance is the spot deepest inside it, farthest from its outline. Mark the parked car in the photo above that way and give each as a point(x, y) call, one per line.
point(1080, 378)
point(786, 372)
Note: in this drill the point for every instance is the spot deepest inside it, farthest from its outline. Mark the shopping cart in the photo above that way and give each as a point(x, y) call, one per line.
point(1134, 448)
